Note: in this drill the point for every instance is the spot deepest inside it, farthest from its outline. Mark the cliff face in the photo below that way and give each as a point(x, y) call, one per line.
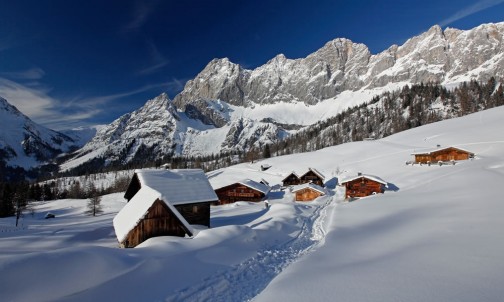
point(435, 55)
point(230, 108)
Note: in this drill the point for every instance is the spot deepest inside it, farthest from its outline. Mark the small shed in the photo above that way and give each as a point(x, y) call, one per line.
point(163, 203)
point(313, 176)
point(291, 180)
point(308, 192)
point(244, 190)
point(363, 185)
point(442, 155)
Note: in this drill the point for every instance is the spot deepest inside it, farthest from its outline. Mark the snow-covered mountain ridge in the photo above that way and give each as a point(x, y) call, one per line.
point(230, 108)
point(24, 143)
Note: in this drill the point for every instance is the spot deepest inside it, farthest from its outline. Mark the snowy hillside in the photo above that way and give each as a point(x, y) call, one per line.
point(434, 236)
point(25, 144)
point(227, 108)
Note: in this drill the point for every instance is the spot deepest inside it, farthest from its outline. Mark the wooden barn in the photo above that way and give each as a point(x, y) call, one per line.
point(363, 185)
point(442, 155)
point(308, 192)
point(313, 176)
point(245, 190)
point(291, 180)
point(163, 203)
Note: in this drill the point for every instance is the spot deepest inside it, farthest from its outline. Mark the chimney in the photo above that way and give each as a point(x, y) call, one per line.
point(359, 173)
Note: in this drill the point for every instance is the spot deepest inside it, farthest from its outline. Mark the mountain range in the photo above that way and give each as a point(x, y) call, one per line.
point(228, 108)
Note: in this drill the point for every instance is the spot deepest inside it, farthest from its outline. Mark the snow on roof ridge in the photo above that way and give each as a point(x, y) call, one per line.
point(316, 172)
point(368, 176)
point(431, 150)
point(255, 185)
point(309, 185)
point(191, 185)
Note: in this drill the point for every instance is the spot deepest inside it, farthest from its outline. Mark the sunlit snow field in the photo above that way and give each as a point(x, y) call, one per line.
point(435, 235)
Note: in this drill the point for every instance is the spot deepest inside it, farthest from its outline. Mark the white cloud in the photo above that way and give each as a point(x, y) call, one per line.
point(470, 10)
point(141, 15)
point(35, 102)
point(158, 60)
point(30, 74)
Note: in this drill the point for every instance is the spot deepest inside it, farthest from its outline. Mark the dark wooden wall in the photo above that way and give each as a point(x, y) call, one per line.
point(291, 180)
point(238, 192)
point(363, 187)
point(442, 155)
point(195, 213)
point(133, 188)
point(160, 221)
point(313, 178)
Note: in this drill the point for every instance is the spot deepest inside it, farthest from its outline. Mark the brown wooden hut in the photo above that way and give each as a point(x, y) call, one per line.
point(363, 185)
point(245, 190)
point(307, 192)
point(163, 203)
point(313, 176)
point(291, 180)
point(442, 155)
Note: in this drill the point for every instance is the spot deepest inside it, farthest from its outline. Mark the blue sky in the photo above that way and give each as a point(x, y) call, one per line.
point(77, 63)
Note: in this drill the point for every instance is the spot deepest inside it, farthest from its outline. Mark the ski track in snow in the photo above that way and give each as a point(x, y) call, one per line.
point(246, 280)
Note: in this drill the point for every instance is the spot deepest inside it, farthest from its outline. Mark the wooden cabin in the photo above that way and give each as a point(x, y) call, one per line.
point(245, 190)
point(163, 203)
point(291, 180)
point(308, 192)
point(442, 155)
point(363, 185)
point(313, 176)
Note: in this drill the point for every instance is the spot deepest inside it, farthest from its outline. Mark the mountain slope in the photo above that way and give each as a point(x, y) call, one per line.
point(230, 108)
point(437, 237)
point(434, 56)
point(24, 143)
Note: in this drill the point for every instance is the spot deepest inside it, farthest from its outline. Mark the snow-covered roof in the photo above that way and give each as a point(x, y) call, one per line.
point(433, 150)
point(371, 177)
point(173, 187)
point(178, 186)
point(316, 173)
point(255, 185)
point(292, 173)
point(309, 185)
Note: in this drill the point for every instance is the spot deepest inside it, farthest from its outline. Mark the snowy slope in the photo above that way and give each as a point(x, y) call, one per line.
point(434, 235)
point(229, 108)
point(25, 144)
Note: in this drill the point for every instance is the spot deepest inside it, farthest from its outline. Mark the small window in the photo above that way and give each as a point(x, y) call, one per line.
point(195, 209)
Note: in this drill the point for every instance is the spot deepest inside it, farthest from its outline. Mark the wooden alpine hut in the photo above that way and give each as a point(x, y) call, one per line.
point(313, 176)
point(308, 192)
point(442, 155)
point(363, 185)
point(244, 190)
point(163, 203)
point(291, 180)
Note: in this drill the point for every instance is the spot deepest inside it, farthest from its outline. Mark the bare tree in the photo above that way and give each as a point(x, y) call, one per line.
point(94, 203)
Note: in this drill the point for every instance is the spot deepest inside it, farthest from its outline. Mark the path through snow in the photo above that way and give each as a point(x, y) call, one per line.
point(247, 279)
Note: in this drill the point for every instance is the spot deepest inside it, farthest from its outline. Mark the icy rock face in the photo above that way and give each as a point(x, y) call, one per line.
point(244, 133)
point(435, 55)
point(152, 126)
point(24, 143)
point(200, 120)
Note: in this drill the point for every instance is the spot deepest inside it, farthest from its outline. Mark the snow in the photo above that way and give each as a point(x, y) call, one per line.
point(173, 187)
point(178, 186)
point(371, 177)
point(436, 237)
point(309, 185)
point(248, 183)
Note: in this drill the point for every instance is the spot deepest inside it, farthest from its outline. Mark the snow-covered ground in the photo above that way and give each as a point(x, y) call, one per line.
point(435, 235)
